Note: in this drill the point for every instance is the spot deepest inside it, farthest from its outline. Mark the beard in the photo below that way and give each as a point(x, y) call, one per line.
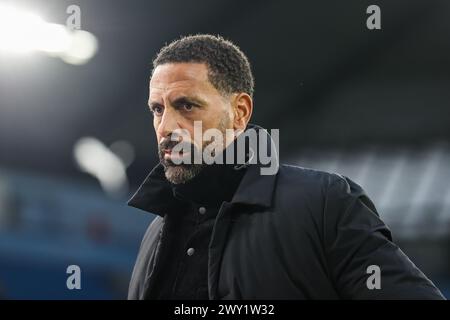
point(181, 173)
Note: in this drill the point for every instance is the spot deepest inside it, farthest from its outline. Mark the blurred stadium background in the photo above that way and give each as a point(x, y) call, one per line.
point(76, 139)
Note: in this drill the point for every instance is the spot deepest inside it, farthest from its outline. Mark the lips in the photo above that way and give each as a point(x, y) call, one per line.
point(168, 154)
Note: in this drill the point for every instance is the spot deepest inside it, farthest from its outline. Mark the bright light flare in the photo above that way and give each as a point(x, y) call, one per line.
point(17, 29)
point(93, 157)
point(24, 32)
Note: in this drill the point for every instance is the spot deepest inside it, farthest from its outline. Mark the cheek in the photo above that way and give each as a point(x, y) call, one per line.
point(210, 119)
point(190, 135)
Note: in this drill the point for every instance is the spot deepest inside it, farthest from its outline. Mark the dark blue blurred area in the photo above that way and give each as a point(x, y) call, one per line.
point(47, 225)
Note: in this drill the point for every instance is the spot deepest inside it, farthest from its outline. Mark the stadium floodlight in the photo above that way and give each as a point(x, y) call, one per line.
point(25, 32)
point(96, 159)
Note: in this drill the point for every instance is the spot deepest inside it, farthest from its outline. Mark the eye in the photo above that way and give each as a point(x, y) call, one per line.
point(188, 106)
point(157, 110)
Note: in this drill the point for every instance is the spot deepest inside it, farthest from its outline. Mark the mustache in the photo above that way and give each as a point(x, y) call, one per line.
point(193, 152)
point(168, 145)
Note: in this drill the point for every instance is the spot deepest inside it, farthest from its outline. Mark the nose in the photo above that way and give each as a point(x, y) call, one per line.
point(168, 123)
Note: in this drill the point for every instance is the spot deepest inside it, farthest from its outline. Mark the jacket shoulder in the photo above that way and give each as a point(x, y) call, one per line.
point(310, 191)
point(310, 178)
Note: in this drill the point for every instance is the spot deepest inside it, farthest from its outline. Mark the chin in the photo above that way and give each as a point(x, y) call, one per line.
point(181, 173)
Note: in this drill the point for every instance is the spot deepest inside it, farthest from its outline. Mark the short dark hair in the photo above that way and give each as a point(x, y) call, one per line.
point(228, 68)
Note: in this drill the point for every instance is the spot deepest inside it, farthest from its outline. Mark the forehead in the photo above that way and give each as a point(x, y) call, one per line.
point(179, 76)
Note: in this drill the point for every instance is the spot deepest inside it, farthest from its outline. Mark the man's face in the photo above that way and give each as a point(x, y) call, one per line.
point(180, 93)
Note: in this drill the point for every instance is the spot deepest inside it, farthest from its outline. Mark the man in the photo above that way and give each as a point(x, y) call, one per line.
point(227, 231)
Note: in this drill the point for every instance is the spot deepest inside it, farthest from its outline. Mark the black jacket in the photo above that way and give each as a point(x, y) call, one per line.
point(299, 234)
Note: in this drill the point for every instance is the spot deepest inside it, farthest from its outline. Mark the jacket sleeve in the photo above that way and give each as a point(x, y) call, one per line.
point(144, 260)
point(363, 260)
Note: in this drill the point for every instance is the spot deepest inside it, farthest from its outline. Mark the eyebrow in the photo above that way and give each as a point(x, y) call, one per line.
point(154, 104)
point(181, 100)
point(186, 99)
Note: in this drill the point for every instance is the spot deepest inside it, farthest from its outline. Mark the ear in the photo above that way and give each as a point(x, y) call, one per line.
point(243, 107)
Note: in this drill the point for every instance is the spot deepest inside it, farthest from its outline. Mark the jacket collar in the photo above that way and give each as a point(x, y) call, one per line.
point(155, 194)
